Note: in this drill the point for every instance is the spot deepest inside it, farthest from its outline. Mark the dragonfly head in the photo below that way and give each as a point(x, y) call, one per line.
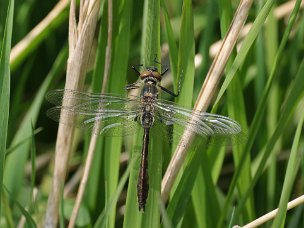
point(151, 72)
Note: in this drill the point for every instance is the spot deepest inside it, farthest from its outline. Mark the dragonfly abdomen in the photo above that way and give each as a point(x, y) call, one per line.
point(143, 177)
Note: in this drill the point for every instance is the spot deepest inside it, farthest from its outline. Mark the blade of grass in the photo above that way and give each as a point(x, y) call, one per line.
point(236, 110)
point(7, 211)
point(150, 49)
point(5, 86)
point(207, 91)
point(33, 173)
point(94, 195)
point(291, 171)
point(173, 51)
point(183, 186)
point(29, 220)
point(116, 85)
point(247, 43)
point(103, 217)
point(271, 46)
point(29, 43)
point(260, 110)
point(178, 204)
point(296, 92)
point(14, 147)
point(15, 162)
point(133, 217)
point(185, 67)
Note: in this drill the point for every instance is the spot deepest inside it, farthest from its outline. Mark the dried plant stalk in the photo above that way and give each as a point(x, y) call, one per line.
point(265, 218)
point(206, 93)
point(94, 137)
point(80, 42)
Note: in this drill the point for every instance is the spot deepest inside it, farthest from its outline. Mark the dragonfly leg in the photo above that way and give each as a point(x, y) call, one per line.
point(134, 67)
point(132, 86)
point(162, 66)
point(179, 86)
point(169, 92)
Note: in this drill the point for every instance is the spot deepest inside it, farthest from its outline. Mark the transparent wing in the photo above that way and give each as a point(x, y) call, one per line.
point(207, 125)
point(68, 98)
point(116, 114)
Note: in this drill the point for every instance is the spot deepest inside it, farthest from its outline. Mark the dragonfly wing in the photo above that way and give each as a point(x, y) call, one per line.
point(116, 114)
point(70, 98)
point(204, 124)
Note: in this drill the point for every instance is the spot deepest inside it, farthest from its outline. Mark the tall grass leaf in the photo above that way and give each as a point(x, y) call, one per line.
point(296, 92)
point(178, 204)
point(5, 85)
point(33, 172)
point(29, 220)
point(117, 79)
point(94, 195)
point(150, 50)
point(267, 54)
point(15, 162)
point(256, 123)
point(291, 171)
point(204, 196)
point(39, 38)
point(103, 217)
point(247, 43)
point(185, 75)
point(173, 51)
point(185, 70)
point(236, 110)
point(7, 210)
point(14, 147)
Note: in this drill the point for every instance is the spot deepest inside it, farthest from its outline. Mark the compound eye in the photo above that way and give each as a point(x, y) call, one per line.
point(156, 75)
point(145, 74)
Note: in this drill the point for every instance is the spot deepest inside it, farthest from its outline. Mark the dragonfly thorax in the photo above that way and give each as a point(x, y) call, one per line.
point(149, 90)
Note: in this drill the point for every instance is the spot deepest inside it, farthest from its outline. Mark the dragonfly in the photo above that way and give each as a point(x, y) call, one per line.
point(122, 115)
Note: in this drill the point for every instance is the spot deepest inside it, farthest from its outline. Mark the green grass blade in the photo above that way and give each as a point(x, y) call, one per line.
point(178, 204)
point(247, 43)
point(103, 218)
point(185, 71)
point(291, 102)
point(256, 123)
point(15, 162)
point(94, 195)
point(7, 211)
point(236, 110)
point(5, 86)
point(39, 38)
point(171, 41)
point(150, 50)
point(181, 195)
point(29, 220)
point(117, 79)
point(14, 147)
point(291, 171)
point(150, 44)
point(33, 173)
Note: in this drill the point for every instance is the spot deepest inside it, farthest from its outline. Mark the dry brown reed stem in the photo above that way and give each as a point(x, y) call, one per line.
point(265, 218)
point(28, 39)
point(80, 42)
point(94, 136)
point(206, 93)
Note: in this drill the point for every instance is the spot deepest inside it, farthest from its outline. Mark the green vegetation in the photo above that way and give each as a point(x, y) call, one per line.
point(261, 87)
